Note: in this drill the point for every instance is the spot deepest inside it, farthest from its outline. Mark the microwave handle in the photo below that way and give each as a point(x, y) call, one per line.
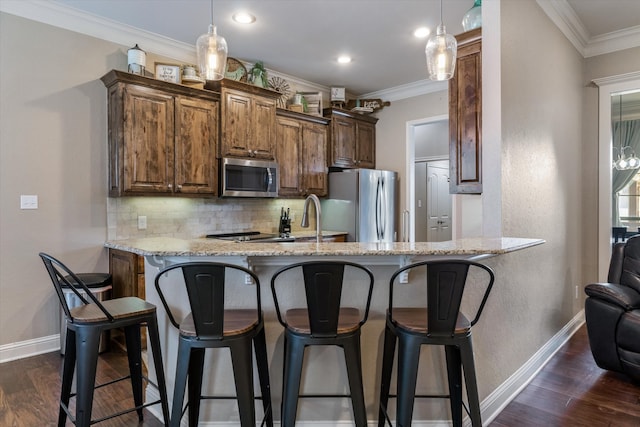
point(268, 178)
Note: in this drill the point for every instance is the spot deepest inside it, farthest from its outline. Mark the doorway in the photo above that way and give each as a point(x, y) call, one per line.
point(608, 87)
point(430, 204)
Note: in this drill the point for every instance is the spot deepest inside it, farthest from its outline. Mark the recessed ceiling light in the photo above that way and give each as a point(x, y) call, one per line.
point(421, 33)
point(243, 18)
point(344, 59)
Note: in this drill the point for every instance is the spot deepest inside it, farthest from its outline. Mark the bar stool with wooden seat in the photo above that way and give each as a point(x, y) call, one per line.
point(325, 320)
point(85, 325)
point(210, 324)
point(437, 321)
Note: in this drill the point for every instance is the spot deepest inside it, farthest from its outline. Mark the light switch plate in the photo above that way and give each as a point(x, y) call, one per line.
point(142, 222)
point(28, 201)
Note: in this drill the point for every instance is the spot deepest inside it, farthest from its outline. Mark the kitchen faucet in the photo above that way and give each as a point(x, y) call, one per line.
point(305, 217)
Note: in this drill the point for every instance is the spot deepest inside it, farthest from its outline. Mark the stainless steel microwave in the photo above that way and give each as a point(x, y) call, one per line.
point(248, 178)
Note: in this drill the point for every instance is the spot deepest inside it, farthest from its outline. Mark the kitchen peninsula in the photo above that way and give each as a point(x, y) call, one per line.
point(264, 259)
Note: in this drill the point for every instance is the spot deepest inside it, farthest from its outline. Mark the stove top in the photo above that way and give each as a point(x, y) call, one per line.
point(245, 236)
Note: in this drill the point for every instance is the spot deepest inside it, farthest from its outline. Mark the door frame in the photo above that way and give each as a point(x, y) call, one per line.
point(410, 188)
point(606, 87)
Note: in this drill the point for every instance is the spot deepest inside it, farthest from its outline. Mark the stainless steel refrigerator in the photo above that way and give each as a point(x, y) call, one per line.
point(362, 202)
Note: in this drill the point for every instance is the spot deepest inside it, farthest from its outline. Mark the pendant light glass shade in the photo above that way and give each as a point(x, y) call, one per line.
point(212, 53)
point(441, 53)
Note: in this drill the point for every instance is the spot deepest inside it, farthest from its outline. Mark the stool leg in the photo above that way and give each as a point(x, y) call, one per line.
point(454, 376)
point(154, 339)
point(466, 351)
point(180, 383)
point(67, 375)
point(294, 356)
point(387, 368)
point(260, 346)
point(87, 346)
point(243, 375)
point(196, 371)
point(353, 360)
point(134, 355)
point(408, 358)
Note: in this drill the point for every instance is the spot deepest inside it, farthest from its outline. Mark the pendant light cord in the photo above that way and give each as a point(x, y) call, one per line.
point(441, 21)
point(211, 12)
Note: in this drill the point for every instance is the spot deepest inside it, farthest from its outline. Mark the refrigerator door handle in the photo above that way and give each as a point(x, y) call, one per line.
point(383, 209)
point(378, 209)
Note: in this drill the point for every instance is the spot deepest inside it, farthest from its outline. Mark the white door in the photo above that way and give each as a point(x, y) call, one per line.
point(438, 202)
point(420, 202)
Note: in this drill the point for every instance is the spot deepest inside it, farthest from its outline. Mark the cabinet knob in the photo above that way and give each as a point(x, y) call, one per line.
point(169, 186)
point(179, 187)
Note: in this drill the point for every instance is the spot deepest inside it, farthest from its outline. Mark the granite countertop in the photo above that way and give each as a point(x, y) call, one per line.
point(169, 246)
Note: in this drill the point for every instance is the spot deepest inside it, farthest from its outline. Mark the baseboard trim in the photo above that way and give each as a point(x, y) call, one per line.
point(493, 404)
point(22, 349)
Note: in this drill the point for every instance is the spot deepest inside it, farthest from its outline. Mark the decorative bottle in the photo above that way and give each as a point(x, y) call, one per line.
point(473, 18)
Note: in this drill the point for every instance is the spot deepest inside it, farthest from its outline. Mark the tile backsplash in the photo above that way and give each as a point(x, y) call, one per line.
point(192, 218)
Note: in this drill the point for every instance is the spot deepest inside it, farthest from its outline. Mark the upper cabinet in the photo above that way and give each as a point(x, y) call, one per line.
point(301, 150)
point(353, 139)
point(465, 116)
point(248, 125)
point(162, 137)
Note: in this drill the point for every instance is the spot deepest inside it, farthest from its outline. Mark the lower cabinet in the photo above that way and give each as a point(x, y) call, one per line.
point(127, 274)
point(301, 151)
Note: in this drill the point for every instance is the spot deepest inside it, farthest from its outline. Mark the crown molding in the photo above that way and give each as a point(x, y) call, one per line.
point(613, 42)
point(565, 18)
point(409, 90)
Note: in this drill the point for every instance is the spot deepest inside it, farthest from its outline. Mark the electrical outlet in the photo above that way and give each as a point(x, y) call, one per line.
point(142, 222)
point(28, 202)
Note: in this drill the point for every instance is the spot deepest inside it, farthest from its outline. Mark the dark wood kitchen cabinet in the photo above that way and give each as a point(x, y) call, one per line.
point(465, 116)
point(248, 124)
point(162, 137)
point(353, 139)
point(127, 272)
point(301, 152)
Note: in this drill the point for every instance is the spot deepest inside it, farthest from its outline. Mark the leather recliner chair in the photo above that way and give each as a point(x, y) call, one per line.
point(612, 312)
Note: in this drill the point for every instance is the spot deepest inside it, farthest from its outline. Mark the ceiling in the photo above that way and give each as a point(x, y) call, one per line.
point(303, 38)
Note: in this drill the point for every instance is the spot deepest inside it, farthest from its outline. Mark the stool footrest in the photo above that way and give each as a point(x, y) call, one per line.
point(325, 395)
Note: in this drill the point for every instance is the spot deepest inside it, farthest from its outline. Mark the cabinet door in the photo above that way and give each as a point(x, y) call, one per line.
point(314, 155)
point(148, 140)
point(236, 121)
point(343, 146)
point(123, 267)
point(263, 128)
point(289, 156)
point(366, 146)
point(465, 117)
point(195, 146)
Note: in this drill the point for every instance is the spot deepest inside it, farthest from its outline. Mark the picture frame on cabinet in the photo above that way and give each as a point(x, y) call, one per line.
point(313, 103)
point(167, 72)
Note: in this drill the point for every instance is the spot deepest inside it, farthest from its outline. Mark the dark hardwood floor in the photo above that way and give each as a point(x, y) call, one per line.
point(30, 389)
point(570, 391)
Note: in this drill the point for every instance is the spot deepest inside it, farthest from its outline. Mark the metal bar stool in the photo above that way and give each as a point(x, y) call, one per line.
point(438, 321)
point(324, 321)
point(85, 325)
point(211, 325)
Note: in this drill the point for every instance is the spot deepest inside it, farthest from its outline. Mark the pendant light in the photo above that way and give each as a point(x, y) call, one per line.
point(441, 53)
point(212, 53)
